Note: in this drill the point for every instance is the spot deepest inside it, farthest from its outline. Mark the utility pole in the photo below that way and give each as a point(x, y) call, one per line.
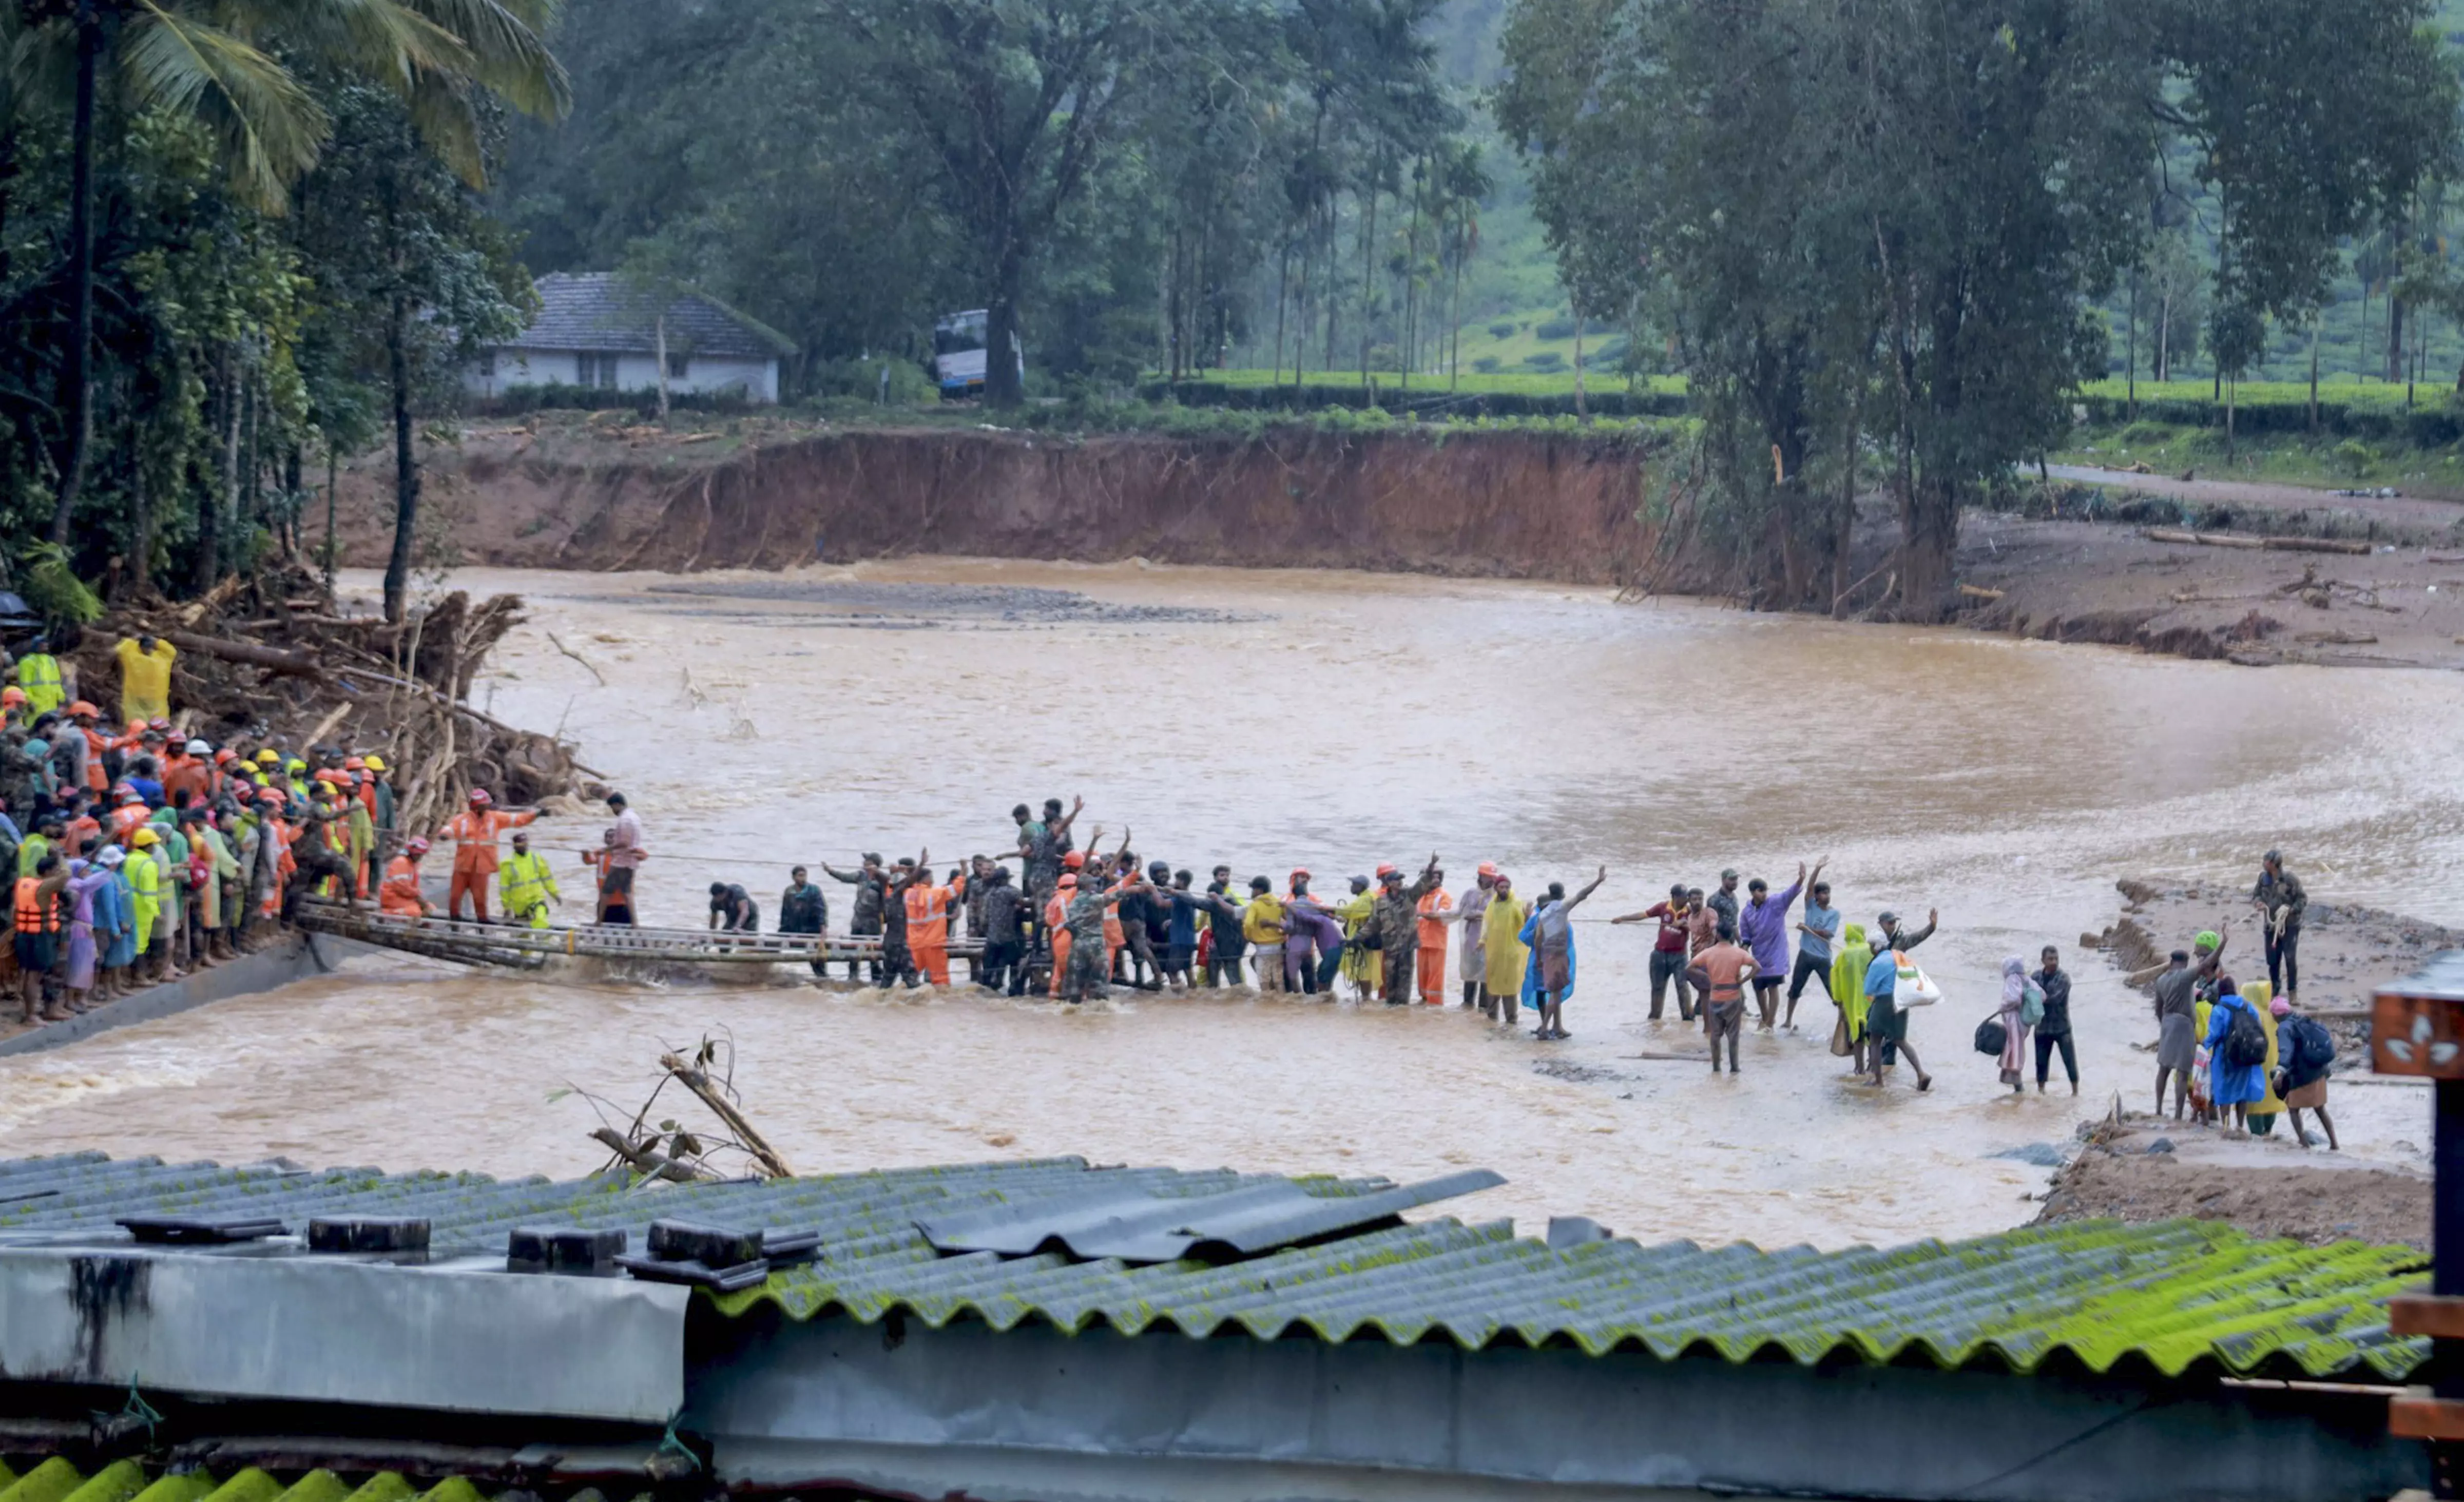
point(2417, 1029)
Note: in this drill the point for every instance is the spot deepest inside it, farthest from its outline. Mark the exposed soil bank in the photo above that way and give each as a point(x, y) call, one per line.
point(2144, 1169)
point(1479, 506)
point(2346, 952)
point(561, 492)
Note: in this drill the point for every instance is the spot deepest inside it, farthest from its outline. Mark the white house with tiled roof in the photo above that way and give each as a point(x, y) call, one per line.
point(595, 330)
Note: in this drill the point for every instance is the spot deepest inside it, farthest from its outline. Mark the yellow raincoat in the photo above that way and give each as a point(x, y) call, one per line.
point(1848, 969)
point(1500, 929)
point(2258, 993)
point(1365, 969)
point(145, 883)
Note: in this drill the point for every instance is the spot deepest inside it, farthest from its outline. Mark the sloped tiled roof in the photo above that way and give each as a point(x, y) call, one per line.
point(2172, 1297)
point(599, 311)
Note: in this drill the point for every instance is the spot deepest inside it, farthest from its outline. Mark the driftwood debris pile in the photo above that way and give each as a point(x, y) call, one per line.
point(269, 657)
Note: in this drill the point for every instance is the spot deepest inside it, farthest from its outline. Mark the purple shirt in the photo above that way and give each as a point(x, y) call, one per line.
point(1310, 929)
point(1763, 928)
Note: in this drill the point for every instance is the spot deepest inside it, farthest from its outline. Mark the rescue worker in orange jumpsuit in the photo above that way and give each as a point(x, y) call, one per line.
point(285, 865)
point(131, 812)
point(98, 741)
point(474, 832)
point(1431, 973)
point(401, 895)
point(928, 925)
point(1054, 910)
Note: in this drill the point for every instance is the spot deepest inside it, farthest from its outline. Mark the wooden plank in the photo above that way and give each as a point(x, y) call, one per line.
point(2419, 1416)
point(2417, 1035)
point(2427, 1314)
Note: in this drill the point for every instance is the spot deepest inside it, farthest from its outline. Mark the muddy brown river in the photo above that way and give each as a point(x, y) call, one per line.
point(1265, 719)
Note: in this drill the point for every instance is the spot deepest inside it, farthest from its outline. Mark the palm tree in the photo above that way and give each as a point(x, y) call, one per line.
point(212, 61)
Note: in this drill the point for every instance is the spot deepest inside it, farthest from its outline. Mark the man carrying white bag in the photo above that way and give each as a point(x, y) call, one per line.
point(1895, 984)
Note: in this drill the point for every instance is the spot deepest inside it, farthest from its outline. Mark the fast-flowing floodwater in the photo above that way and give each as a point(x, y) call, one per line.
point(1268, 720)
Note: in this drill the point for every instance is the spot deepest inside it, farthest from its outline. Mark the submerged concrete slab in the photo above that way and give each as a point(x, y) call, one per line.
point(296, 956)
point(912, 1410)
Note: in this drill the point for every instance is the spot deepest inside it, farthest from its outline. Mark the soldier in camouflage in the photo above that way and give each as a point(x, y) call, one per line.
point(1393, 925)
point(1084, 917)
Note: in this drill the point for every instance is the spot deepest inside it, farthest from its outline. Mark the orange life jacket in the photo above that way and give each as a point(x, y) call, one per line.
point(34, 916)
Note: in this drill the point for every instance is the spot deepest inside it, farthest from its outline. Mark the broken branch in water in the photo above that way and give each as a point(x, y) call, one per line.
point(696, 1079)
point(652, 1163)
point(575, 656)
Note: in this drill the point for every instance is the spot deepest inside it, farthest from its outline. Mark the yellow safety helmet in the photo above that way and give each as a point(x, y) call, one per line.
point(268, 757)
point(144, 836)
point(376, 763)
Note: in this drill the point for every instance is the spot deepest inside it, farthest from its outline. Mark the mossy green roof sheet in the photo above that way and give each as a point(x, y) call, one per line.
point(2172, 1297)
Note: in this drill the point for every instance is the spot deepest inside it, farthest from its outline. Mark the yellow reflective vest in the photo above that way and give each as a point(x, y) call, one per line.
point(38, 674)
point(524, 885)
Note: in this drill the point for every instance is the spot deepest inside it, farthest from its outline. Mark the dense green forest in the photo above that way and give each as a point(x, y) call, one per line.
point(1884, 236)
point(238, 242)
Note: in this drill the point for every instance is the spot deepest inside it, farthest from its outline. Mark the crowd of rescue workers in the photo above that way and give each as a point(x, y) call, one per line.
point(142, 854)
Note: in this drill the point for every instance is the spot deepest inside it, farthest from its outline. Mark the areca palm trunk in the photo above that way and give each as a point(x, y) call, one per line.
point(79, 382)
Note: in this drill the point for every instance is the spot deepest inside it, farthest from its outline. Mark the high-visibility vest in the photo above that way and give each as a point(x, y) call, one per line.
point(928, 916)
point(525, 884)
point(39, 675)
point(34, 916)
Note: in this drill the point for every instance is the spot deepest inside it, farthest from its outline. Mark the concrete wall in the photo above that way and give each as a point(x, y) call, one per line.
point(903, 1409)
point(758, 378)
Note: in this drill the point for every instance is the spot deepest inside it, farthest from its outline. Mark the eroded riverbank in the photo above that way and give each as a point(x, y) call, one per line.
point(1267, 718)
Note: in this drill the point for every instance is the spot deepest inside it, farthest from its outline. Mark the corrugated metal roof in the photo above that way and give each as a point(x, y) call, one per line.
point(1134, 1226)
point(599, 311)
point(57, 1480)
point(2174, 1295)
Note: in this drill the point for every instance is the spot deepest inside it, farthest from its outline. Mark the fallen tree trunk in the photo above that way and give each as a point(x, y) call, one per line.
point(274, 659)
point(2272, 545)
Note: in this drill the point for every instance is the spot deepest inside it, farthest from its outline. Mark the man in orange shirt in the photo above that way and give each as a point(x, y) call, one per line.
point(1431, 972)
point(474, 832)
point(400, 895)
point(1724, 969)
point(928, 923)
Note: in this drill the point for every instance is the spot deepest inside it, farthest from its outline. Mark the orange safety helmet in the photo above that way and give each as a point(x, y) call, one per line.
point(479, 797)
point(415, 849)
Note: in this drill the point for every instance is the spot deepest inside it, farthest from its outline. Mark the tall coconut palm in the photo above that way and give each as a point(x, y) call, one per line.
point(216, 61)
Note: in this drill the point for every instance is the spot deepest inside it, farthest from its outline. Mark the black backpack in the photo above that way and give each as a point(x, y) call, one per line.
point(2245, 1041)
point(2314, 1048)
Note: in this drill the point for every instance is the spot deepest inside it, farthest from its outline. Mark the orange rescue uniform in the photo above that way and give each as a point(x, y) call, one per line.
point(399, 893)
point(474, 832)
point(1053, 913)
point(928, 928)
point(1431, 971)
